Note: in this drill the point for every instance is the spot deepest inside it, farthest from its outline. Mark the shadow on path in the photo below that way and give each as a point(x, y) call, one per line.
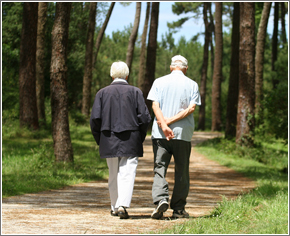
point(85, 208)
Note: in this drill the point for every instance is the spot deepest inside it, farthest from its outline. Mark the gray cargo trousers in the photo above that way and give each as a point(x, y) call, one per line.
point(163, 151)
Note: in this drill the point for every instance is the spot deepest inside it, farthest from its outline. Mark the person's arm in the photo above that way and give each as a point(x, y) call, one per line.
point(160, 118)
point(188, 111)
point(95, 119)
point(143, 115)
point(179, 116)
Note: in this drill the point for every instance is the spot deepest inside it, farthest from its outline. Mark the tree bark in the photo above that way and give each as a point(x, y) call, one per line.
point(142, 64)
point(42, 15)
point(201, 117)
point(27, 68)
point(133, 36)
point(87, 79)
point(101, 32)
point(246, 105)
point(275, 42)
point(83, 23)
point(232, 100)
point(59, 98)
point(259, 60)
point(283, 29)
point(217, 75)
point(211, 38)
point(151, 53)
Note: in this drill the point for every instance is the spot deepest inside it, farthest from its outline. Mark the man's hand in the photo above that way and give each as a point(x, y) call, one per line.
point(167, 132)
point(162, 122)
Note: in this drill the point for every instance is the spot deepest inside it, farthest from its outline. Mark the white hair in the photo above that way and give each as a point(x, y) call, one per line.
point(179, 61)
point(119, 70)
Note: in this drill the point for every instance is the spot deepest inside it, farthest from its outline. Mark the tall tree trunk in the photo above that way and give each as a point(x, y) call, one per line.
point(201, 117)
point(83, 23)
point(58, 85)
point(211, 38)
point(42, 13)
point(151, 53)
point(217, 75)
point(133, 36)
point(283, 29)
point(246, 105)
point(259, 60)
point(27, 75)
point(142, 64)
point(275, 42)
point(101, 32)
point(232, 100)
point(87, 79)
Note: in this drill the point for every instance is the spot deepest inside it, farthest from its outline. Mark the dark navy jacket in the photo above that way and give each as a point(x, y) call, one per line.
point(119, 120)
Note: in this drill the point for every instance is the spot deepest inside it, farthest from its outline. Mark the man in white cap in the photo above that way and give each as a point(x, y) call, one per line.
point(174, 98)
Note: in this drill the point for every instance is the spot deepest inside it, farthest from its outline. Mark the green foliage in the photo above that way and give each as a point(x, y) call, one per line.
point(114, 48)
point(10, 97)
point(77, 118)
point(111, 50)
point(76, 52)
point(28, 162)
point(12, 23)
point(258, 14)
point(11, 35)
point(167, 41)
point(228, 11)
point(275, 101)
point(178, 23)
point(102, 10)
point(125, 4)
point(185, 7)
point(274, 156)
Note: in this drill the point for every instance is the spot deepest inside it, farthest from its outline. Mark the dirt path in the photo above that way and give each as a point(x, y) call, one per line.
point(84, 208)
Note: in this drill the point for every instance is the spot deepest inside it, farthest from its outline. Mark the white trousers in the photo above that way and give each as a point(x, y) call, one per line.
point(122, 172)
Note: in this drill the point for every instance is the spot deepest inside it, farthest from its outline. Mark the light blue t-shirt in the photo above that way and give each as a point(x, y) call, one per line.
point(174, 93)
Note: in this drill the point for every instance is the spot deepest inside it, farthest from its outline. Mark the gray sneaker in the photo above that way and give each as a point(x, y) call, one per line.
point(180, 214)
point(161, 207)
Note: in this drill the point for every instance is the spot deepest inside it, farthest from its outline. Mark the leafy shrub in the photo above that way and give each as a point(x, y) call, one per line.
point(276, 100)
point(273, 153)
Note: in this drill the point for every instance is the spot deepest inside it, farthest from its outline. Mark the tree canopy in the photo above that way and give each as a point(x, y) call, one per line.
point(114, 48)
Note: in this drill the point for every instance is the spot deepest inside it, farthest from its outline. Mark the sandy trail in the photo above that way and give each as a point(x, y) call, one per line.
point(84, 208)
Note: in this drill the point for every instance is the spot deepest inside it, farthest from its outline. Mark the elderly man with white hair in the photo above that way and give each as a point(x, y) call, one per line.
point(174, 98)
point(119, 122)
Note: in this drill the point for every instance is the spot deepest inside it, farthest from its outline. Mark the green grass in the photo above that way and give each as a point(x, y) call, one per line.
point(28, 164)
point(262, 211)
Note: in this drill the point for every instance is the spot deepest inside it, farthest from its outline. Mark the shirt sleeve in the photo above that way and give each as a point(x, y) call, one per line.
point(195, 96)
point(95, 120)
point(153, 93)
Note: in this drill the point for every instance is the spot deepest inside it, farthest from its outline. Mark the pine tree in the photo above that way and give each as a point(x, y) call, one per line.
point(88, 70)
point(42, 15)
point(27, 75)
point(58, 87)
point(246, 105)
point(217, 74)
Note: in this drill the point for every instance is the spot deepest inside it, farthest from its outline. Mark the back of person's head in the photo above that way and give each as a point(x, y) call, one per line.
point(178, 61)
point(119, 69)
